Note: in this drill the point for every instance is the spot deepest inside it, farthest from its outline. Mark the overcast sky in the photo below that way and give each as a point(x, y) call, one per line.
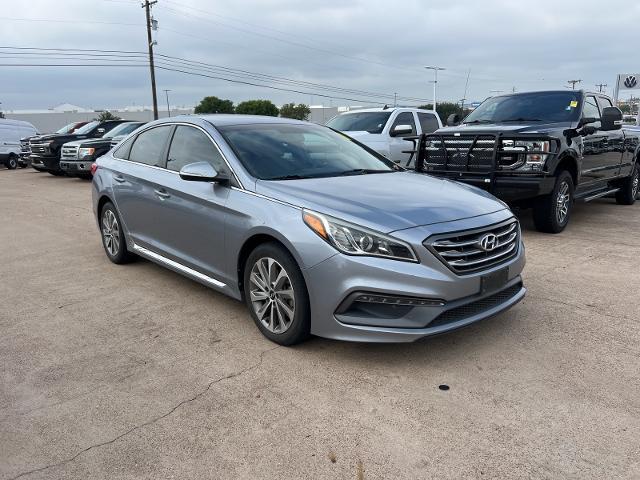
point(372, 45)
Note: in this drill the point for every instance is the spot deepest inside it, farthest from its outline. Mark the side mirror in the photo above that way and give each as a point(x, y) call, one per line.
point(202, 172)
point(611, 118)
point(453, 119)
point(400, 130)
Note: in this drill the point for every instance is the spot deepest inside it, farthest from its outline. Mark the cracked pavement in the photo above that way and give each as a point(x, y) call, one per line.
point(136, 372)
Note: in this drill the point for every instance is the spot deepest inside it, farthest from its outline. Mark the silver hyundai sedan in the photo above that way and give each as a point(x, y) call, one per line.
point(318, 234)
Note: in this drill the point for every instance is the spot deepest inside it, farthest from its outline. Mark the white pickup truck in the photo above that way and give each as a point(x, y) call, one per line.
point(384, 129)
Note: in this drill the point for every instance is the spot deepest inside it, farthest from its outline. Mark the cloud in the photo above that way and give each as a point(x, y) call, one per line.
point(372, 45)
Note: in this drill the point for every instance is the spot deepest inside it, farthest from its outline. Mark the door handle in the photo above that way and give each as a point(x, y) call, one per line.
point(162, 194)
point(119, 178)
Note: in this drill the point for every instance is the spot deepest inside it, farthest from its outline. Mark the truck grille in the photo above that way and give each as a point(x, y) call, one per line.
point(448, 152)
point(24, 147)
point(480, 249)
point(38, 148)
point(69, 152)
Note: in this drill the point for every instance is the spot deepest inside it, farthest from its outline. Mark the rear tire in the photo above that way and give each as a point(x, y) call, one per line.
point(629, 189)
point(12, 161)
point(551, 213)
point(276, 294)
point(113, 239)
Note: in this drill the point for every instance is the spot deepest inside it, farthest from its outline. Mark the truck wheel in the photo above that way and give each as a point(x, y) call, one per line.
point(12, 161)
point(629, 188)
point(551, 213)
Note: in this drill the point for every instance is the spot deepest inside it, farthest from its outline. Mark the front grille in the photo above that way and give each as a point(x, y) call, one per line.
point(479, 249)
point(458, 153)
point(38, 148)
point(69, 152)
point(474, 308)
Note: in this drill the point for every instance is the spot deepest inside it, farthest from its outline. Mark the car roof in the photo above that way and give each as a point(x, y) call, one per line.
point(225, 119)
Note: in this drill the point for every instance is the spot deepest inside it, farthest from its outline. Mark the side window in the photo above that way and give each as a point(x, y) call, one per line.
point(405, 118)
point(428, 122)
point(591, 109)
point(191, 145)
point(148, 147)
point(604, 102)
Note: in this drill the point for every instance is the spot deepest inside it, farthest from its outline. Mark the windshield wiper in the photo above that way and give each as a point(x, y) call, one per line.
point(520, 119)
point(362, 171)
point(478, 121)
point(289, 177)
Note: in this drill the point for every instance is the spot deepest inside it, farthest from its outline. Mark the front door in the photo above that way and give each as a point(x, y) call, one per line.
point(398, 144)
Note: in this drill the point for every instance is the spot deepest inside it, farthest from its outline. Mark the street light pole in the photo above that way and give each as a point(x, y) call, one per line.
point(166, 92)
point(435, 82)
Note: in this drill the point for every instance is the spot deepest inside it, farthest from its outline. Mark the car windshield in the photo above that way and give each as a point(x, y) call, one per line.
point(286, 152)
point(372, 122)
point(66, 128)
point(122, 129)
point(87, 128)
point(528, 107)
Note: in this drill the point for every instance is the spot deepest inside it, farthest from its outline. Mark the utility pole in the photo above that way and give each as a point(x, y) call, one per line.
point(166, 92)
point(435, 82)
point(395, 99)
point(573, 83)
point(601, 86)
point(147, 7)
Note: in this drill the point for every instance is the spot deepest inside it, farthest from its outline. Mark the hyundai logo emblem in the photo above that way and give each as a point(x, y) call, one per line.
point(630, 81)
point(489, 242)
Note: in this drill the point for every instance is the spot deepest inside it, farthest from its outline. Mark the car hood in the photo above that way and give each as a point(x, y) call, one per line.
point(510, 127)
point(387, 201)
point(59, 138)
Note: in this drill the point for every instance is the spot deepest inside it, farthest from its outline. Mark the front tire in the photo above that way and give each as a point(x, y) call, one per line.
point(12, 162)
point(276, 294)
point(113, 239)
point(551, 213)
point(629, 191)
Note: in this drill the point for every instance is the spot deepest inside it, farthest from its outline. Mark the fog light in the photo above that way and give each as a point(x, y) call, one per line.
point(401, 301)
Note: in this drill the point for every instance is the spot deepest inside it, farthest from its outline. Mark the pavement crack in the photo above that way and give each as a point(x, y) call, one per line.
point(153, 420)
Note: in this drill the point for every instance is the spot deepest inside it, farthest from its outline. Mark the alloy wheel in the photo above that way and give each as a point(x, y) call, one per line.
point(110, 232)
point(271, 294)
point(563, 202)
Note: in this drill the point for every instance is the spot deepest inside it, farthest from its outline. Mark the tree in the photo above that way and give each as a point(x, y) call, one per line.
point(625, 108)
point(214, 105)
point(257, 107)
point(444, 109)
point(297, 112)
point(107, 115)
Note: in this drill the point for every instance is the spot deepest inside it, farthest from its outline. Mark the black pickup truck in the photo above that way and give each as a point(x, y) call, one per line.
point(542, 150)
point(46, 149)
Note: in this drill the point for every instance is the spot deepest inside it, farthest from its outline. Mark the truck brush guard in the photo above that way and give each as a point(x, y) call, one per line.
point(480, 157)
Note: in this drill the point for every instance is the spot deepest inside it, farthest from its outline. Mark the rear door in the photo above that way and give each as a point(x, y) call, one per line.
point(138, 186)
point(398, 144)
point(193, 213)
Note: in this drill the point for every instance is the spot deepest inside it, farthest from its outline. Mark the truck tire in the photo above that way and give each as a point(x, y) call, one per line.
point(12, 161)
point(629, 188)
point(551, 213)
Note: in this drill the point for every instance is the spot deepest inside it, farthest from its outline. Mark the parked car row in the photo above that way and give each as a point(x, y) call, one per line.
point(540, 150)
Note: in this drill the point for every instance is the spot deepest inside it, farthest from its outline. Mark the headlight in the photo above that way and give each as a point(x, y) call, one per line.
point(354, 240)
point(514, 154)
point(85, 152)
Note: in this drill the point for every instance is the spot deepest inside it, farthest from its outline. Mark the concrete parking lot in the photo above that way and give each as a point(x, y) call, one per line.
point(136, 372)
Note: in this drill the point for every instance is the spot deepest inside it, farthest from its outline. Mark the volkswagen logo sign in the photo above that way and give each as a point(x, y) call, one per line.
point(489, 242)
point(631, 81)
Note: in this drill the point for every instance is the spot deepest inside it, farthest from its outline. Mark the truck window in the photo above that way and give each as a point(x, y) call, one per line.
point(605, 102)
point(405, 118)
point(428, 122)
point(591, 110)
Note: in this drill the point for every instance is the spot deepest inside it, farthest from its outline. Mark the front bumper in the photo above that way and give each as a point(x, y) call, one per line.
point(76, 167)
point(463, 299)
point(50, 164)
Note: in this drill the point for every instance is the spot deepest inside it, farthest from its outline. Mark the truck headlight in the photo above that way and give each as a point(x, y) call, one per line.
point(354, 240)
point(85, 152)
point(515, 154)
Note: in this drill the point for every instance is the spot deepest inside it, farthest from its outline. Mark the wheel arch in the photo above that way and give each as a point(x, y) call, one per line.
point(569, 163)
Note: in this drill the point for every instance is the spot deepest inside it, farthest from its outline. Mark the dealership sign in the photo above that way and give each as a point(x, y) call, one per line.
point(628, 81)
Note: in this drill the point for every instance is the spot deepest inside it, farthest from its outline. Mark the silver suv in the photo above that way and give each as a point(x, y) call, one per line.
point(317, 234)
